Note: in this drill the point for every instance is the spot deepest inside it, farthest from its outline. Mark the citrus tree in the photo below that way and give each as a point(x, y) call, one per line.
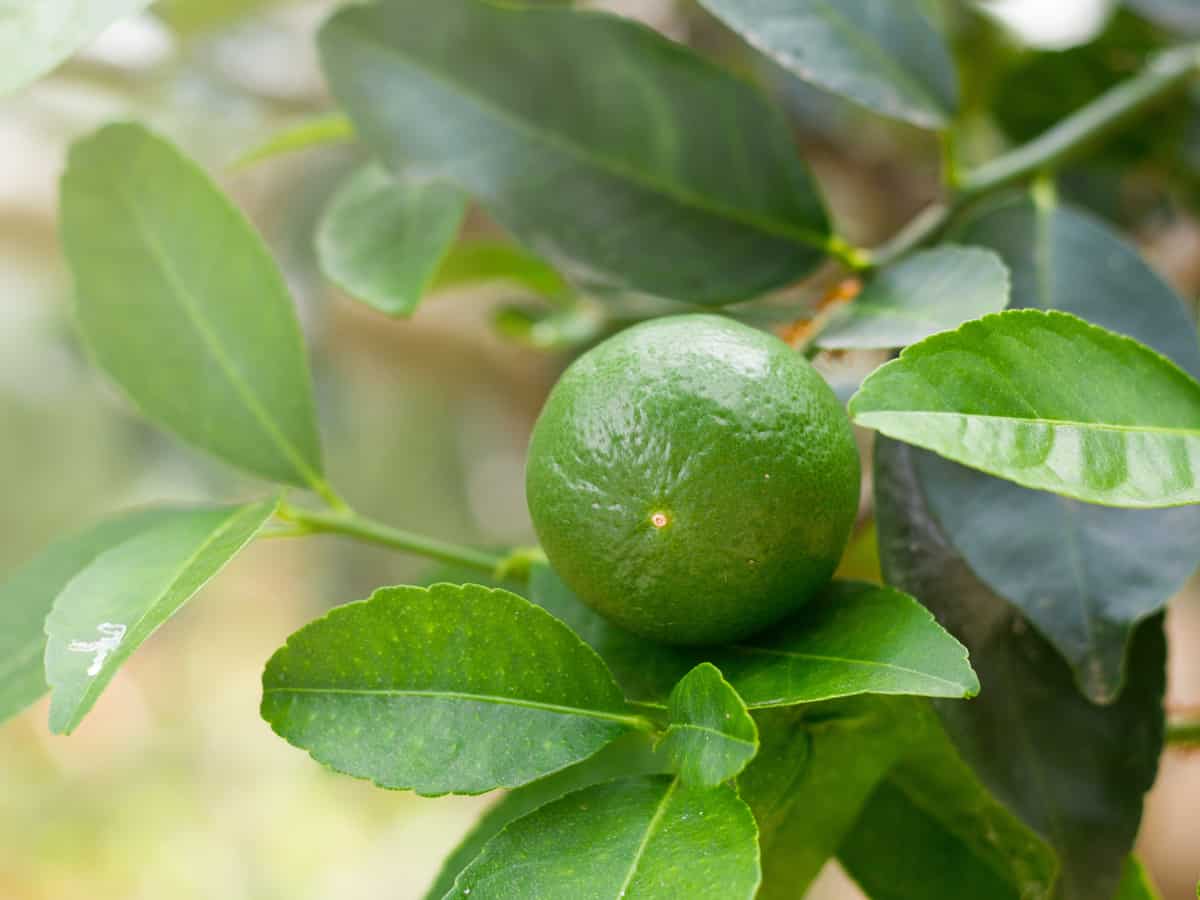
point(678, 696)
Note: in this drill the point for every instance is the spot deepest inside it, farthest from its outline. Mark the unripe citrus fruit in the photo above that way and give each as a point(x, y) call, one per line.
point(693, 479)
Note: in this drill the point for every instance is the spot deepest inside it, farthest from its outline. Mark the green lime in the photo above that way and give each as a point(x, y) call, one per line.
point(693, 479)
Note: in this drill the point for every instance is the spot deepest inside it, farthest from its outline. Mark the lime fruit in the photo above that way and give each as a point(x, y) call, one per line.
point(693, 479)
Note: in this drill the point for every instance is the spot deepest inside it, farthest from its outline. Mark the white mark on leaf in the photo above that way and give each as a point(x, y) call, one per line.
point(111, 636)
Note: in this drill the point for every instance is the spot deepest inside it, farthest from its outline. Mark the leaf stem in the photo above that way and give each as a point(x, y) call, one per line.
point(346, 522)
point(1105, 115)
point(1184, 732)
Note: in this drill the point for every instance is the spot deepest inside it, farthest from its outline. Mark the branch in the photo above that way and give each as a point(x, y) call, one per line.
point(1105, 115)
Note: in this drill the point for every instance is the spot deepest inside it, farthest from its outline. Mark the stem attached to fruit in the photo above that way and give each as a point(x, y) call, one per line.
point(1096, 121)
point(351, 524)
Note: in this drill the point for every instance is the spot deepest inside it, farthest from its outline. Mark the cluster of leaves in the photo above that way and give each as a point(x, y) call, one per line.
point(1045, 409)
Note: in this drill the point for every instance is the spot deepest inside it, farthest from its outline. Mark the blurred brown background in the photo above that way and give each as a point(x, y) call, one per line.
point(173, 787)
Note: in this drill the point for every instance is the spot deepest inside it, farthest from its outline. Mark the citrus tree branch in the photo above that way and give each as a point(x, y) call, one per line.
point(1107, 114)
point(350, 524)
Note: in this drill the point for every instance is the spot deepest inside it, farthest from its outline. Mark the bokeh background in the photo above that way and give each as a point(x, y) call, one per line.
point(173, 787)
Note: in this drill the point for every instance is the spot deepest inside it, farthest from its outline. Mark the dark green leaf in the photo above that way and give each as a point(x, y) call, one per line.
point(621, 158)
point(188, 313)
point(629, 755)
point(382, 239)
point(1083, 574)
point(1028, 395)
point(27, 596)
point(1074, 771)
point(37, 35)
point(447, 689)
point(126, 593)
point(711, 736)
point(1178, 15)
point(932, 830)
point(644, 837)
point(646, 670)
point(1136, 883)
point(885, 56)
point(815, 769)
point(851, 639)
point(331, 129)
point(919, 296)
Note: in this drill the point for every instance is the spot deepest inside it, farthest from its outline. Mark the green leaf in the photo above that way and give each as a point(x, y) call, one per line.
point(27, 596)
point(816, 767)
point(1123, 564)
point(322, 130)
point(382, 239)
point(932, 830)
point(884, 56)
point(473, 262)
point(37, 35)
point(1136, 883)
point(919, 296)
point(851, 639)
point(188, 313)
point(646, 670)
point(121, 598)
point(449, 689)
point(629, 755)
point(621, 158)
point(641, 837)
point(711, 736)
point(1073, 771)
point(1178, 15)
point(1029, 396)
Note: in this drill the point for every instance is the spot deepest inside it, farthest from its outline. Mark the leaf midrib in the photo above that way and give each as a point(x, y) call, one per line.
point(706, 729)
point(1055, 423)
point(870, 663)
point(682, 196)
point(496, 699)
point(651, 827)
point(191, 309)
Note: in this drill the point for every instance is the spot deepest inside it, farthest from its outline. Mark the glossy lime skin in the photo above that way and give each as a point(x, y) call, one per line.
point(693, 479)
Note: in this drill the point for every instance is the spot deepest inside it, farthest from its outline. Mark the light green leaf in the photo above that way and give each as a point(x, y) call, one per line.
point(27, 596)
point(636, 839)
point(474, 262)
point(631, 754)
point(711, 736)
point(852, 639)
point(919, 296)
point(1136, 883)
point(382, 239)
point(885, 56)
point(330, 129)
point(114, 604)
point(37, 35)
point(187, 312)
point(623, 159)
point(932, 830)
point(183, 306)
point(447, 689)
point(1029, 396)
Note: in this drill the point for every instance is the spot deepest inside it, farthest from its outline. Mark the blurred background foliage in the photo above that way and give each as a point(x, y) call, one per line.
point(174, 787)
